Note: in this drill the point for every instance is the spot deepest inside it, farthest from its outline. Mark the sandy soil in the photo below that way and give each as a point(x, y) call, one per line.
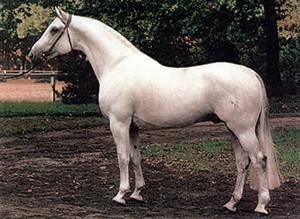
point(27, 90)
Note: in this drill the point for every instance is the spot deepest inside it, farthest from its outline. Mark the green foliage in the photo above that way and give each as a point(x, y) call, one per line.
point(285, 106)
point(20, 24)
point(290, 63)
point(181, 33)
point(32, 19)
point(82, 84)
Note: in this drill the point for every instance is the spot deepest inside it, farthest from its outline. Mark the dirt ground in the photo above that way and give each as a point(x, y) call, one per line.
point(27, 90)
point(74, 174)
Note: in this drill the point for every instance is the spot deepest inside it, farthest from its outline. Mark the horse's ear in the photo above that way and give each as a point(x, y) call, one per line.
point(61, 14)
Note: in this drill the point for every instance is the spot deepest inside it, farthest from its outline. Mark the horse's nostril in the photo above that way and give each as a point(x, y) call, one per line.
point(46, 53)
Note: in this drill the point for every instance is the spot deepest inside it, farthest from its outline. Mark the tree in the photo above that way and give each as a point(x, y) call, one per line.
point(8, 36)
point(82, 84)
point(21, 24)
point(273, 79)
point(176, 32)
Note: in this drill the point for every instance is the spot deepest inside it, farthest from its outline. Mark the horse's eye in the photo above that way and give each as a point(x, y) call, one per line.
point(54, 30)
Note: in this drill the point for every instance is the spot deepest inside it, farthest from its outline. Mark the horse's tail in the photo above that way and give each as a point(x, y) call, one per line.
point(267, 146)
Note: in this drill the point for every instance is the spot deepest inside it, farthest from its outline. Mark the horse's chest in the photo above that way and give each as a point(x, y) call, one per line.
point(115, 102)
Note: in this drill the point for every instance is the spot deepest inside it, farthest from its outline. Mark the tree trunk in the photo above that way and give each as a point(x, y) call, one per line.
point(273, 79)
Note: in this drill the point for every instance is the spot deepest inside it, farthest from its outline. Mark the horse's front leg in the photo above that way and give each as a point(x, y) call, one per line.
point(120, 131)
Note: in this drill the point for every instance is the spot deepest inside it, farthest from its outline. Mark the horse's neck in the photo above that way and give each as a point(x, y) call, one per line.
point(103, 46)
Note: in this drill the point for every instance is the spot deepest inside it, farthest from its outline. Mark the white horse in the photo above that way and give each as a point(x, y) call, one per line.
point(136, 90)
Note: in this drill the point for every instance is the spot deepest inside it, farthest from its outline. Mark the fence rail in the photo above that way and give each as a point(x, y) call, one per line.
point(37, 74)
point(32, 73)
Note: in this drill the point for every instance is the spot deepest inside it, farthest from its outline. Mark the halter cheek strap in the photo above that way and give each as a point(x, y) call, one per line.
point(67, 24)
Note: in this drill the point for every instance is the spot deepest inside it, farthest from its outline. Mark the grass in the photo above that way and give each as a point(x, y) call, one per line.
point(217, 155)
point(200, 157)
point(26, 117)
point(24, 125)
point(288, 151)
point(23, 109)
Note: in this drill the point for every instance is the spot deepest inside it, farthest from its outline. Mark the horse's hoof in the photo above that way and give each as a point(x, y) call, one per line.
point(260, 214)
point(136, 202)
point(137, 198)
point(119, 201)
point(228, 209)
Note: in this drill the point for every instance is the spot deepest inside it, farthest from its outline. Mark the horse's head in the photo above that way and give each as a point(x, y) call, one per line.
point(55, 40)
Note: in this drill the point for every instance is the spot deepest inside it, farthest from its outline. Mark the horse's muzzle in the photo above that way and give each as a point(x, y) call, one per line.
point(36, 59)
point(29, 57)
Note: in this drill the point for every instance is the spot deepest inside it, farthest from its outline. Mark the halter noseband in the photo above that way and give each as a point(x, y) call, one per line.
point(67, 24)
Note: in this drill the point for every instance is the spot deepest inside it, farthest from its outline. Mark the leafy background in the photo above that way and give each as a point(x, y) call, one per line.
point(176, 33)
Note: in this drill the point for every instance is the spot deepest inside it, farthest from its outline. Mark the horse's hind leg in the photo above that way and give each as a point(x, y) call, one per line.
point(135, 156)
point(250, 144)
point(242, 163)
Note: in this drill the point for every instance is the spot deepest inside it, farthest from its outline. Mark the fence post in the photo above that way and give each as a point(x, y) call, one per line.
point(53, 87)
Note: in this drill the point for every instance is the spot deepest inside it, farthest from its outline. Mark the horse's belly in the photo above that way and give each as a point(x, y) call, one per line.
point(169, 117)
point(162, 123)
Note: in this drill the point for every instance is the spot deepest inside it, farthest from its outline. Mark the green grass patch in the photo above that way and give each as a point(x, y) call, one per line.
point(217, 155)
point(26, 117)
point(23, 109)
point(24, 125)
point(288, 151)
point(200, 157)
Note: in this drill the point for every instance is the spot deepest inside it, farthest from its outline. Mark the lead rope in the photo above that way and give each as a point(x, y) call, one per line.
point(21, 74)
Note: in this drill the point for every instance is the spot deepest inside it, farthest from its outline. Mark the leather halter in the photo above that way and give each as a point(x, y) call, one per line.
point(67, 24)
